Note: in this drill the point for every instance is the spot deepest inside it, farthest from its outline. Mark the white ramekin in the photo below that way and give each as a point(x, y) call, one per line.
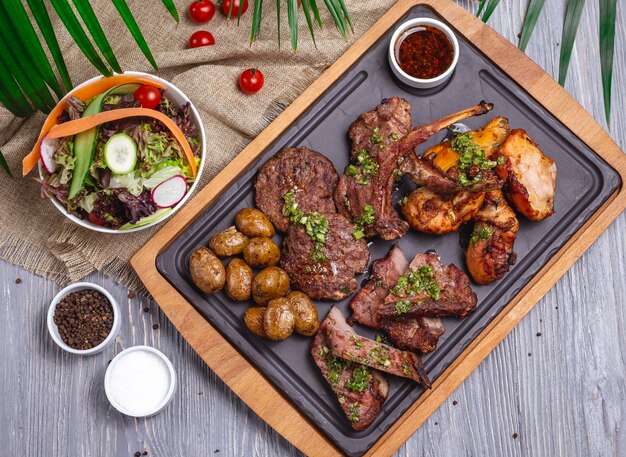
point(166, 400)
point(179, 98)
point(417, 82)
point(54, 330)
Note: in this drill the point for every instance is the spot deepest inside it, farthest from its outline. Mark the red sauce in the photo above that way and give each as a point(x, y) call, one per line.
point(424, 52)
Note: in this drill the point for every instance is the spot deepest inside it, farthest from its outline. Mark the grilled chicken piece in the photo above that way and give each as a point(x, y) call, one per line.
point(360, 390)
point(344, 342)
point(531, 182)
point(303, 171)
point(488, 138)
point(420, 334)
point(369, 182)
point(431, 209)
point(333, 278)
point(385, 274)
point(443, 290)
point(490, 251)
point(437, 214)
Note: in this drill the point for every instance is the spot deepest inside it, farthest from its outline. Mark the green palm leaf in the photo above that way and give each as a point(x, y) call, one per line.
point(91, 22)
point(530, 21)
point(169, 4)
point(336, 15)
point(481, 7)
point(489, 9)
point(131, 23)
point(11, 95)
point(65, 13)
point(40, 14)
point(292, 17)
point(608, 13)
point(29, 45)
point(570, 26)
point(256, 20)
point(4, 164)
point(307, 14)
point(316, 12)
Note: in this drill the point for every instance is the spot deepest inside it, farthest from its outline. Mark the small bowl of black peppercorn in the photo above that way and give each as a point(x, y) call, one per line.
point(83, 319)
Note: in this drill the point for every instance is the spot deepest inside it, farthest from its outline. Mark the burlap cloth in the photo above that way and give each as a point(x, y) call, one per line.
point(37, 237)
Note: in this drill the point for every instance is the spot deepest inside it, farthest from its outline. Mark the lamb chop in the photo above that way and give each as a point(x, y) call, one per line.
point(419, 334)
point(429, 289)
point(367, 185)
point(490, 251)
point(345, 343)
point(361, 391)
point(330, 275)
point(298, 170)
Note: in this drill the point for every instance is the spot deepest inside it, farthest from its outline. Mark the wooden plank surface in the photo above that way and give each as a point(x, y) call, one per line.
point(564, 399)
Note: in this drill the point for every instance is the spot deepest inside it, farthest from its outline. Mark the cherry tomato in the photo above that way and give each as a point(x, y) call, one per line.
point(202, 11)
point(235, 11)
point(95, 219)
point(149, 96)
point(251, 81)
point(201, 38)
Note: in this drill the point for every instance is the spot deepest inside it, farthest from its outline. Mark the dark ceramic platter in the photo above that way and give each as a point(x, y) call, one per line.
point(584, 182)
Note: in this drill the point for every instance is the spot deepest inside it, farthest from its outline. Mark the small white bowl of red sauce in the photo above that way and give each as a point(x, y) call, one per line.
point(423, 52)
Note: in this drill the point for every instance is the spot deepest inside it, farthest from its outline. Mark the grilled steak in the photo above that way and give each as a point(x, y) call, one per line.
point(332, 279)
point(345, 343)
point(361, 391)
point(421, 334)
point(385, 274)
point(369, 181)
point(446, 291)
point(307, 173)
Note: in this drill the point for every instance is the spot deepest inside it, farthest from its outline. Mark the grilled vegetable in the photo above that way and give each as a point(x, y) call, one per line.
point(307, 323)
point(279, 319)
point(254, 222)
point(253, 318)
point(229, 242)
point(261, 252)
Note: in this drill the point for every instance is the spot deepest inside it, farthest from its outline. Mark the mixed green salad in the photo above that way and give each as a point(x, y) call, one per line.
point(124, 173)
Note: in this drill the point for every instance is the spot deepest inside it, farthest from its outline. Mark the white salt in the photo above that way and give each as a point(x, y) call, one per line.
point(139, 382)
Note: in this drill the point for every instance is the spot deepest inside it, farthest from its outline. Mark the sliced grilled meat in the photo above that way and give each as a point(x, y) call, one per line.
point(309, 174)
point(344, 342)
point(369, 182)
point(446, 291)
point(420, 334)
point(333, 278)
point(490, 251)
point(360, 390)
point(385, 274)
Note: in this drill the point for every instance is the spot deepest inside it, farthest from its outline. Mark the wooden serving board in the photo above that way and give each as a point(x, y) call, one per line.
point(249, 383)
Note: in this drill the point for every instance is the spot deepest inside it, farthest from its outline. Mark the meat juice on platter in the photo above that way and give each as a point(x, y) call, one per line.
point(482, 178)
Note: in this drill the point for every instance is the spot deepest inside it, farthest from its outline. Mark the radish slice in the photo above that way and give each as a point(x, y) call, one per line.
point(48, 148)
point(170, 191)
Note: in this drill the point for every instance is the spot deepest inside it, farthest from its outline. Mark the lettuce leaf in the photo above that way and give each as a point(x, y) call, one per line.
point(132, 183)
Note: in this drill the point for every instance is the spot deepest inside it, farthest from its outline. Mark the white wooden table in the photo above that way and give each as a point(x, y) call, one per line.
point(555, 386)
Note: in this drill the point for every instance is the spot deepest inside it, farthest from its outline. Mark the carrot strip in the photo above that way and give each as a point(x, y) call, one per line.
point(89, 122)
point(84, 93)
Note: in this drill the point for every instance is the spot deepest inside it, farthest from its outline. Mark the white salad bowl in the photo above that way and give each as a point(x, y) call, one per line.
point(179, 98)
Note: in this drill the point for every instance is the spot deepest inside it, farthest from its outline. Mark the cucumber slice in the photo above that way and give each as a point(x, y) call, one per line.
point(120, 153)
point(85, 142)
point(158, 214)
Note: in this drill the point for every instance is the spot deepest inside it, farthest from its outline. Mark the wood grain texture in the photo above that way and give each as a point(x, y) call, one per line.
point(565, 399)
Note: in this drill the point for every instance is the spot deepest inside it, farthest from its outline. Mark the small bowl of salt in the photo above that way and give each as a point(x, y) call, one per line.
point(140, 381)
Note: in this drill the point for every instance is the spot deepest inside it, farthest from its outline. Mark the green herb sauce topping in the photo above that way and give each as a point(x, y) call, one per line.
point(480, 234)
point(415, 282)
point(367, 218)
point(470, 154)
point(364, 169)
point(315, 224)
point(360, 379)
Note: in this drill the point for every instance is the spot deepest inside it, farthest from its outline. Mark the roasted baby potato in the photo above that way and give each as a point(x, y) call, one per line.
point(261, 252)
point(207, 271)
point(229, 242)
point(254, 222)
point(253, 318)
point(270, 283)
point(307, 323)
point(279, 319)
point(531, 183)
point(238, 280)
